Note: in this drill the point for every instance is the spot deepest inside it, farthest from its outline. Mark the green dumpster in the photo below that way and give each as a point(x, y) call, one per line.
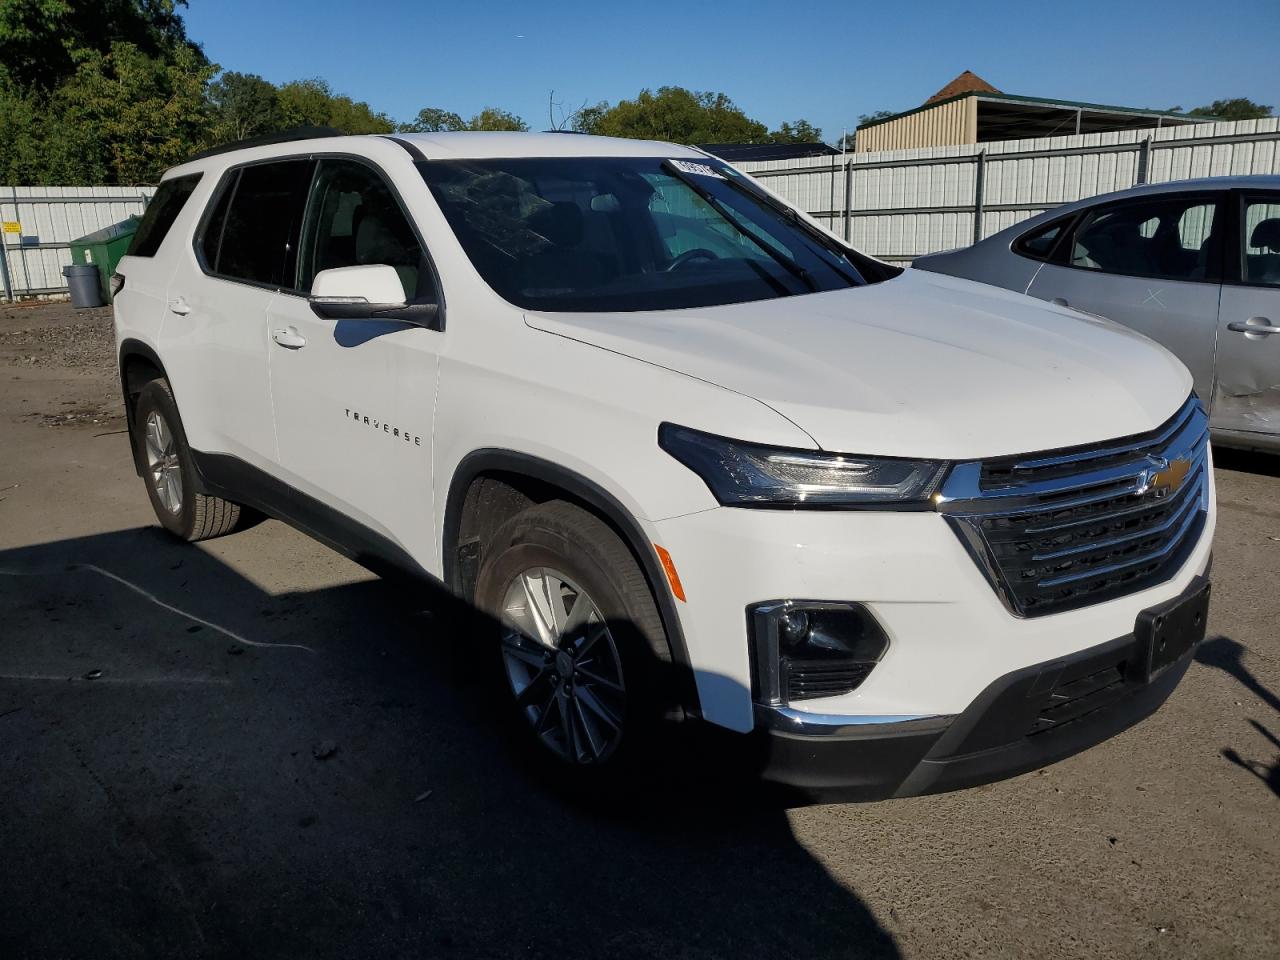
point(104, 248)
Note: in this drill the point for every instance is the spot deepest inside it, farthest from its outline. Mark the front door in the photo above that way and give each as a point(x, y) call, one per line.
point(1247, 390)
point(354, 400)
point(1151, 264)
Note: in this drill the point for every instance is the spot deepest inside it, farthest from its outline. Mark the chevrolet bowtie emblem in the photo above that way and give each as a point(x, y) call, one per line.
point(1164, 476)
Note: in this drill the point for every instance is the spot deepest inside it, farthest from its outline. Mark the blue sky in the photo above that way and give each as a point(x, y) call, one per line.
point(825, 61)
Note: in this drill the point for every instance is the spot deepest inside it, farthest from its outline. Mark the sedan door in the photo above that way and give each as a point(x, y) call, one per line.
point(1153, 264)
point(1246, 397)
point(354, 400)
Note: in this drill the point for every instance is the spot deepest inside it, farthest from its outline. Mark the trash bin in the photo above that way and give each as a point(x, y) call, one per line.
point(104, 248)
point(86, 285)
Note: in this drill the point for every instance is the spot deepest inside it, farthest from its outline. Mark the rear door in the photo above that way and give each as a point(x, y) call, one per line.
point(1153, 264)
point(216, 334)
point(1247, 390)
point(354, 400)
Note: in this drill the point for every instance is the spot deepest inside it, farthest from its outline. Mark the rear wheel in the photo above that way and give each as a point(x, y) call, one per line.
point(169, 471)
point(580, 643)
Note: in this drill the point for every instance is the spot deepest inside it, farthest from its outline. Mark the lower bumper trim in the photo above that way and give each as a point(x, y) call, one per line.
point(1006, 731)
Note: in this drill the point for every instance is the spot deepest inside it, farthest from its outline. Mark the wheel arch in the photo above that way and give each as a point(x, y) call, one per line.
point(529, 480)
point(138, 365)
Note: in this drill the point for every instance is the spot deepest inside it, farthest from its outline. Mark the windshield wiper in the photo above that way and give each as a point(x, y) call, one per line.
point(827, 243)
point(797, 271)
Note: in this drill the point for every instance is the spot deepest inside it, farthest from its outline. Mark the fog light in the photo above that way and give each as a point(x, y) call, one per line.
point(794, 627)
point(805, 649)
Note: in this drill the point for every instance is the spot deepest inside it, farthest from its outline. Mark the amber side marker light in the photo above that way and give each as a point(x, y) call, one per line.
point(673, 578)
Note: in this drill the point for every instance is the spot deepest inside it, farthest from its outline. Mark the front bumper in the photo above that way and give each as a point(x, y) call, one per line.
point(1026, 719)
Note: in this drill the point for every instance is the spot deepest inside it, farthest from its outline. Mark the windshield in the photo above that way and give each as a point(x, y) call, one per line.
point(625, 233)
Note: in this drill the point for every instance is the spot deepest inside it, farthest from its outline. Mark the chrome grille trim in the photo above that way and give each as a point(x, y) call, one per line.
point(1049, 540)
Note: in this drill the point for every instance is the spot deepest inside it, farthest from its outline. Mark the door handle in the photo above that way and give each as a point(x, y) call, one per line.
point(1060, 302)
point(289, 338)
point(1254, 327)
point(179, 306)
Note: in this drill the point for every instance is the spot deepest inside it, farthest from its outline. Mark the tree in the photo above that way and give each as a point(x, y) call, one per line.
point(1239, 108)
point(141, 113)
point(587, 119)
point(434, 120)
point(802, 131)
point(42, 41)
point(244, 105)
point(680, 115)
point(494, 118)
point(311, 103)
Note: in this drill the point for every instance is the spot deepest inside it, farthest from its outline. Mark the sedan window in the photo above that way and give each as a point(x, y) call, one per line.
point(1169, 238)
point(1262, 243)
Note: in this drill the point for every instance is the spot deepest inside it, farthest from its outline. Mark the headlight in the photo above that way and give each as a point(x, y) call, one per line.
point(747, 475)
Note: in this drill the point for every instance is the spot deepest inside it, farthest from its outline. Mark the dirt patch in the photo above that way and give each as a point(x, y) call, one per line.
point(57, 335)
point(59, 366)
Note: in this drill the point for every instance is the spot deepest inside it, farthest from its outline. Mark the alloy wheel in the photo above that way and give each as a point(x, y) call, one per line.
point(162, 463)
point(563, 666)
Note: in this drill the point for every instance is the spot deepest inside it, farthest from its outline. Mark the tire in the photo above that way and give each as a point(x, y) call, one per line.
point(169, 471)
point(609, 669)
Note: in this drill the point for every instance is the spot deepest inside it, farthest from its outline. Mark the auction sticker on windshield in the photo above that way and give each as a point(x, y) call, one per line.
point(697, 169)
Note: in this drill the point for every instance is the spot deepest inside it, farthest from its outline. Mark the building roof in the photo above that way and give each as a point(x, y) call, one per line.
point(967, 82)
point(736, 152)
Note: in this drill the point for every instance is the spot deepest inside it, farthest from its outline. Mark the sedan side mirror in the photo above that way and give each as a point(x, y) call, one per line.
point(367, 293)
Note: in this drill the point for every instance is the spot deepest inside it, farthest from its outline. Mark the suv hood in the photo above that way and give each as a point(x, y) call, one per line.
point(923, 365)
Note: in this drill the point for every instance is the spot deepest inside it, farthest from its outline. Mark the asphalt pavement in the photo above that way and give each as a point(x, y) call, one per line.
point(254, 748)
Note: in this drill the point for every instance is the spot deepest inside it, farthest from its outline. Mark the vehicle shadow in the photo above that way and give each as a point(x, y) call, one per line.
point(1246, 461)
point(1228, 655)
point(191, 766)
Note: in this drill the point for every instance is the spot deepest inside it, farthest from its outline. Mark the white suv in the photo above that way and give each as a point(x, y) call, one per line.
point(691, 455)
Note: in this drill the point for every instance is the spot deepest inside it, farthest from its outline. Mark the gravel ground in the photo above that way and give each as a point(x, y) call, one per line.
point(253, 748)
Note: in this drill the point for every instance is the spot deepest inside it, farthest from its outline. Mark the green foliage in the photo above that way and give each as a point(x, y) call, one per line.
point(42, 41)
point(873, 117)
point(244, 105)
point(493, 118)
point(686, 116)
point(679, 115)
point(1238, 108)
point(434, 120)
point(311, 103)
point(802, 131)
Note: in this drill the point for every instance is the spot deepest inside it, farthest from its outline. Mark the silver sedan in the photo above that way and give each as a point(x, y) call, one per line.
point(1194, 264)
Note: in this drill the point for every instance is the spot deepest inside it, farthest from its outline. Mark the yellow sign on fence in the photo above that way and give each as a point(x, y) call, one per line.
point(12, 226)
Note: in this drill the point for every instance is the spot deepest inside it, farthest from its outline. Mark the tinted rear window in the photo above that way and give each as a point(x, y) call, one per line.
point(259, 238)
point(161, 212)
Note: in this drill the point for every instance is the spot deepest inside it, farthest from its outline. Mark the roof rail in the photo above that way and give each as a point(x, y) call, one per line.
point(283, 136)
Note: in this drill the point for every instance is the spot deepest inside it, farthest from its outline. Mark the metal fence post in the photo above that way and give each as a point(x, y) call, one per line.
point(848, 198)
point(979, 179)
point(1144, 159)
point(4, 270)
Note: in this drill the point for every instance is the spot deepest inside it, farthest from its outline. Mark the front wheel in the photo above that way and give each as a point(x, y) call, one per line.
point(581, 645)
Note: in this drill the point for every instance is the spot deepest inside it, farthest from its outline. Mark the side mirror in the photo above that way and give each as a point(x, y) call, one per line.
point(367, 293)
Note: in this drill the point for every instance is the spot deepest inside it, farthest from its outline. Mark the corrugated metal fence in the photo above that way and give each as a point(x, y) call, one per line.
point(37, 225)
point(896, 205)
point(901, 204)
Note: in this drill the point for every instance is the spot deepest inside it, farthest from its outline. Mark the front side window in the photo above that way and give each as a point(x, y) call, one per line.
point(253, 233)
point(355, 220)
point(1262, 242)
point(162, 211)
point(1169, 238)
point(628, 234)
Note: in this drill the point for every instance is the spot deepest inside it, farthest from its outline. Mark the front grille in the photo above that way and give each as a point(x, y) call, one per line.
point(1072, 527)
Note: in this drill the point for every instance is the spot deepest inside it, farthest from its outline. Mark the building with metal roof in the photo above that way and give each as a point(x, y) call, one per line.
point(970, 110)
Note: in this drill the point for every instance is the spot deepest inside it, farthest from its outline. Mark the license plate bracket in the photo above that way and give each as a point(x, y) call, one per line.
point(1165, 633)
